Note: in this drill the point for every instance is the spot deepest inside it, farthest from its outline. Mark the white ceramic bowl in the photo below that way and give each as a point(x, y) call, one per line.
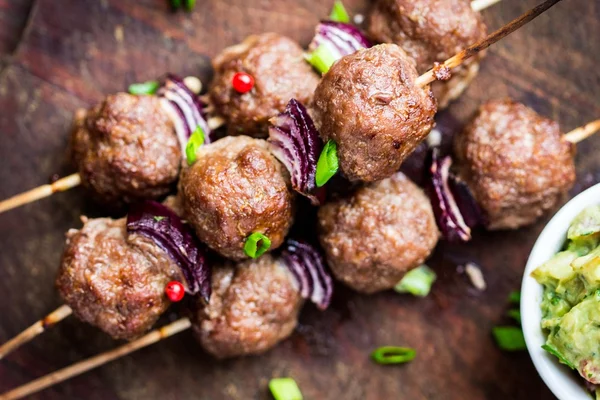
point(561, 381)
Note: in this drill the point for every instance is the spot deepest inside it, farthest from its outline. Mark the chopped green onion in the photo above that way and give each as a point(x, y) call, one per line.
point(509, 338)
point(256, 245)
point(514, 314)
point(417, 281)
point(285, 389)
point(320, 58)
point(189, 5)
point(393, 355)
point(175, 4)
point(327, 166)
point(149, 87)
point(194, 142)
point(514, 297)
point(558, 355)
point(339, 13)
point(159, 218)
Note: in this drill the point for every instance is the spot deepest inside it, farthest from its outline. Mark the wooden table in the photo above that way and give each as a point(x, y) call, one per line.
point(73, 52)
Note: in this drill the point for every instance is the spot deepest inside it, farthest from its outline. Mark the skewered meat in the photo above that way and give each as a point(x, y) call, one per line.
point(368, 104)
point(515, 162)
point(235, 188)
point(254, 305)
point(431, 31)
point(375, 236)
point(126, 149)
point(113, 281)
point(280, 73)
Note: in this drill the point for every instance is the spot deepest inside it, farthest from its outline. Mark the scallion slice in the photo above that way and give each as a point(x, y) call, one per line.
point(339, 13)
point(514, 297)
point(189, 5)
point(149, 87)
point(514, 314)
point(194, 142)
point(285, 389)
point(393, 355)
point(558, 355)
point(417, 281)
point(509, 338)
point(256, 245)
point(328, 165)
point(321, 58)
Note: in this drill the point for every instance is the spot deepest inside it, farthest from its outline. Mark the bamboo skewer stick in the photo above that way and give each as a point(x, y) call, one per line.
point(453, 62)
point(36, 329)
point(583, 132)
point(96, 361)
point(66, 183)
point(479, 5)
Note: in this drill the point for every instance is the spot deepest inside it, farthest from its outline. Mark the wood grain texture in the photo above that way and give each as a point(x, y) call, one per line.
point(73, 54)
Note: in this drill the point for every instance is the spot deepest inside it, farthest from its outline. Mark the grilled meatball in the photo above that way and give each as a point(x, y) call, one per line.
point(114, 282)
point(368, 104)
point(375, 236)
point(280, 73)
point(236, 187)
point(126, 149)
point(431, 31)
point(254, 305)
point(515, 162)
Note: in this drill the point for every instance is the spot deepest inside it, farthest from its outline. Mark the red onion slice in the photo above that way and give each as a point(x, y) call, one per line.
point(339, 38)
point(158, 223)
point(455, 209)
point(308, 269)
point(184, 108)
point(294, 140)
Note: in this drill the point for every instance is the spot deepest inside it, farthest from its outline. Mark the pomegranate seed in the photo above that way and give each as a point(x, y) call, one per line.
point(175, 291)
point(242, 82)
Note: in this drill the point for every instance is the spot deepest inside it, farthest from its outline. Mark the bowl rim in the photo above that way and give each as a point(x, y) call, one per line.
point(559, 378)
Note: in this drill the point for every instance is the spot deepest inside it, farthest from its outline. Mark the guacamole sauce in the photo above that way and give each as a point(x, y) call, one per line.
point(571, 300)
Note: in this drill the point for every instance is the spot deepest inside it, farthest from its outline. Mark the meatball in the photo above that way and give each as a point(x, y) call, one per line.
point(126, 149)
point(515, 162)
point(235, 188)
point(431, 31)
point(372, 238)
point(254, 305)
point(368, 104)
point(280, 73)
point(113, 281)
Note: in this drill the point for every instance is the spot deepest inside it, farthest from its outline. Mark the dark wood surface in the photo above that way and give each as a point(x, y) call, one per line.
point(70, 53)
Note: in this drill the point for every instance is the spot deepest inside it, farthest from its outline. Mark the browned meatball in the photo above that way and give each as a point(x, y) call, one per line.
point(375, 236)
point(113, 282)
point(126, 149)
point(515, 162)
point(280, 73)
point(254, 305)
point(430, 31)
point(368, 104)
point(235, 188)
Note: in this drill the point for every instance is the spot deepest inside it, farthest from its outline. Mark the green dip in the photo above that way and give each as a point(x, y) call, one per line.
point(571, 300)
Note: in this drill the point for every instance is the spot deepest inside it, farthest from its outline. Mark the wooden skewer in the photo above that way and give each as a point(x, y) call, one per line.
point(96, 361)
point(584, 132)
point(34, 330)
point(479, 5)
point(66, 183)
point(453, 62)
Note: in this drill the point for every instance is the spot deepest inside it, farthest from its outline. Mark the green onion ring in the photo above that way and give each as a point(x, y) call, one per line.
point(393, 355)
point(149, 87)
point(328, 164)
point(285, 389)
point(194, 142)
point(339, 13)
point(256, 245)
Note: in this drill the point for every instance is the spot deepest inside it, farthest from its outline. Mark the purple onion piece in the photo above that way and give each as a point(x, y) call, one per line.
point(184, 108)
point(339, 38)
point(294, 140)
point(158, 223)
point(308, 269)
point(454, 207)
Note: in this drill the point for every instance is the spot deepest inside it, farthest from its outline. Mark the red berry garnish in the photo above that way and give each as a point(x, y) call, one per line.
point(175, 291)
point(242, 82)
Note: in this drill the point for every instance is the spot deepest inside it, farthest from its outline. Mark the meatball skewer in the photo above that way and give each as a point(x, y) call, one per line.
point(392, 107)
point(512, 166)
point(253, 306)
point(129, 147)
